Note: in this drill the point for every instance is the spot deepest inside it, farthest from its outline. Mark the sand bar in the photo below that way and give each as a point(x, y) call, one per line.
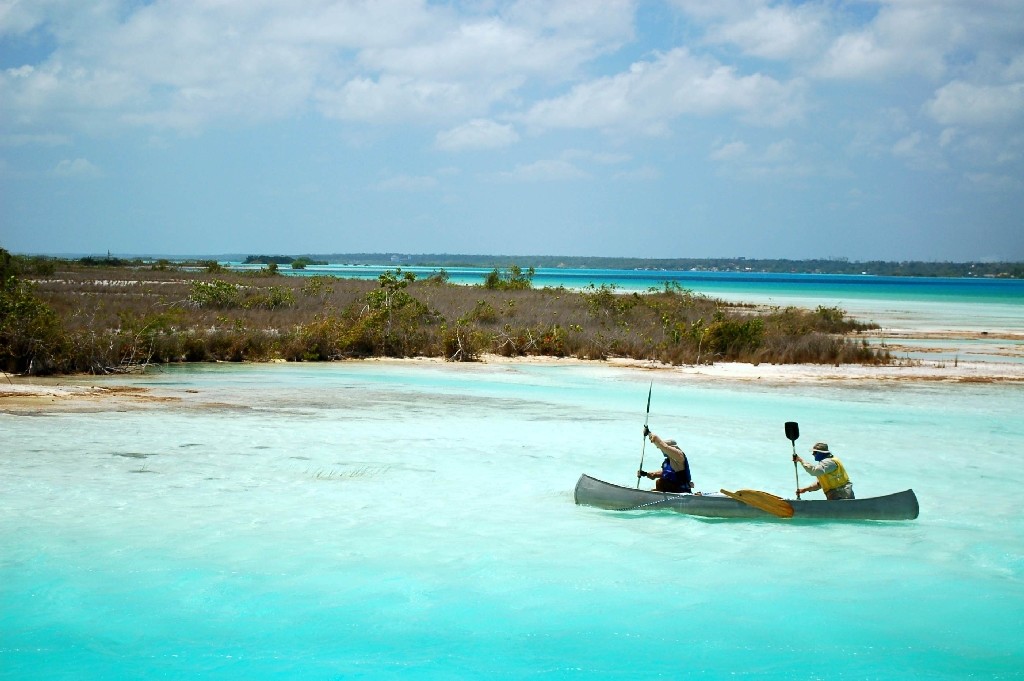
point(35, 395)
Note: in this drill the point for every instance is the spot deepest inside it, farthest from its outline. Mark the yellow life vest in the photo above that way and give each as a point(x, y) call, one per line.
point(834, 479)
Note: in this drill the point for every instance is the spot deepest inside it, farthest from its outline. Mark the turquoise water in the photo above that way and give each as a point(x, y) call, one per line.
point(389, 520)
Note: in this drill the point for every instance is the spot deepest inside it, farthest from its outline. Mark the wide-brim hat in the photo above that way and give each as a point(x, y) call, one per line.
point(821, 447)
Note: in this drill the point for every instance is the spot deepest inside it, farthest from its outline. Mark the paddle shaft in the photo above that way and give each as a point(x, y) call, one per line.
point(792, 433)
point(796, 470)
point(643, 447)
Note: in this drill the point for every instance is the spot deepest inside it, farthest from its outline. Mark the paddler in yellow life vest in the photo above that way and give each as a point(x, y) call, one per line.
point(831, 475)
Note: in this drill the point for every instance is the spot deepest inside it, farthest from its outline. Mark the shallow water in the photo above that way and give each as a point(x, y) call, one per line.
point(395, 520)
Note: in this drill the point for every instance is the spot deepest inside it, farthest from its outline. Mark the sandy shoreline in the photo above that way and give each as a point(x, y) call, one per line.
point(34, 395)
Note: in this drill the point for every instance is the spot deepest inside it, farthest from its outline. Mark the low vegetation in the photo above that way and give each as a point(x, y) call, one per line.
point(60, 317)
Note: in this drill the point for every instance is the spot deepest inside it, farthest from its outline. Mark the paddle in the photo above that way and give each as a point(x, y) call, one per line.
point(644, 446)
point(793, 432)
point(769, 503)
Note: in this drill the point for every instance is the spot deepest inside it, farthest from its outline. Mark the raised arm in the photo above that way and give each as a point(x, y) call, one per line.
point(673, 452)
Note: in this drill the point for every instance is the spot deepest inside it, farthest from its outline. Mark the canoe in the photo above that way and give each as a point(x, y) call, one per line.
point(593, 492)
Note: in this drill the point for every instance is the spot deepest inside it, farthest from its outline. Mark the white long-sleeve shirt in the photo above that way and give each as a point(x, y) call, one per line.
point(819, 468)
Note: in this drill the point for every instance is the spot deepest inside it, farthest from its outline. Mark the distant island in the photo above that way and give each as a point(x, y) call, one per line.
point(905, 268)
point(296, 263)
point(913, 268)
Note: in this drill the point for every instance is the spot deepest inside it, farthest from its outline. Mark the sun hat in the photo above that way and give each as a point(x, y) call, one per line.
point(821, 447)
point(671, 443)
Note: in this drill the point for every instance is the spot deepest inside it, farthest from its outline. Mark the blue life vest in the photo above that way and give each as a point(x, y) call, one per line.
point(680, 479)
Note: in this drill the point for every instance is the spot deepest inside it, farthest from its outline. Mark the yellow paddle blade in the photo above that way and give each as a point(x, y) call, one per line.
point(764, 501)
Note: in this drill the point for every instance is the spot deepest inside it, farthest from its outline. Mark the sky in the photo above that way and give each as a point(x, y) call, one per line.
point(864, 130)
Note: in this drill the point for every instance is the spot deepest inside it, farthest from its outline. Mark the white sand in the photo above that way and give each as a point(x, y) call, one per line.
point(20, 394)
point(958, 372)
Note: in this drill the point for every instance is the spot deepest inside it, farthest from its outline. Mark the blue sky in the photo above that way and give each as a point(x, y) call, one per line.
point(682, 128)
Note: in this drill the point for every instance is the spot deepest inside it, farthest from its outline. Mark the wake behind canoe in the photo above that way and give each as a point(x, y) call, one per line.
point(593, 492)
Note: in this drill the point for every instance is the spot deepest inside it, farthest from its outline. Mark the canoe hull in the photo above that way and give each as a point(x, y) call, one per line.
point(593, 492)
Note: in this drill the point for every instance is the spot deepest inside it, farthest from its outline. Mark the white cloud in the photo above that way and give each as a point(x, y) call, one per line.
point(491, 47)
point(506, 66)
point(728, 151)
point(40, 140)
point(782, 158)
point(476, 134)
point(544, 171)
point(186, 65)
point(19, 16)
point(77, 168)
point(598, 22)
point(909, 145)
point(599, 157)
point(408, 183)
point(777, 32)
point(948, 137)
point(918, 151)
point(642, 174)
point(992, 148)
point(992, 182)
point(928, 38)
point(967, 104)
point(648, 96)
point(391, 99)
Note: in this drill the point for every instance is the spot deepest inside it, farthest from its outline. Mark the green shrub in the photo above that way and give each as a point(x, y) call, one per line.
point(323, 338)
point(513, 280)
point(438, 277)
point(32, 337)
point(214, 294)
point(393, 322)
point(462, 342)
point(605, 301)
point(319, 286)
point(482, 312)
point(272, 298)
point(733, 337)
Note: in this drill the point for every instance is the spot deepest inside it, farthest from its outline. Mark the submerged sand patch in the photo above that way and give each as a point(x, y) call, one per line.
point(20, 395)
point(33, 396)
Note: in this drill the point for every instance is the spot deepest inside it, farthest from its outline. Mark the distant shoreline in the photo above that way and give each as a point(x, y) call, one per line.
point(901, 268)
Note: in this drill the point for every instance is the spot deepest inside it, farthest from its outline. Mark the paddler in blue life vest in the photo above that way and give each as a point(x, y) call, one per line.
point(831, 475)
point(674, 475)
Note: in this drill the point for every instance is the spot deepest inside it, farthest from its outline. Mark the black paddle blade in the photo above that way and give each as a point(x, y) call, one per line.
point(792, 430)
